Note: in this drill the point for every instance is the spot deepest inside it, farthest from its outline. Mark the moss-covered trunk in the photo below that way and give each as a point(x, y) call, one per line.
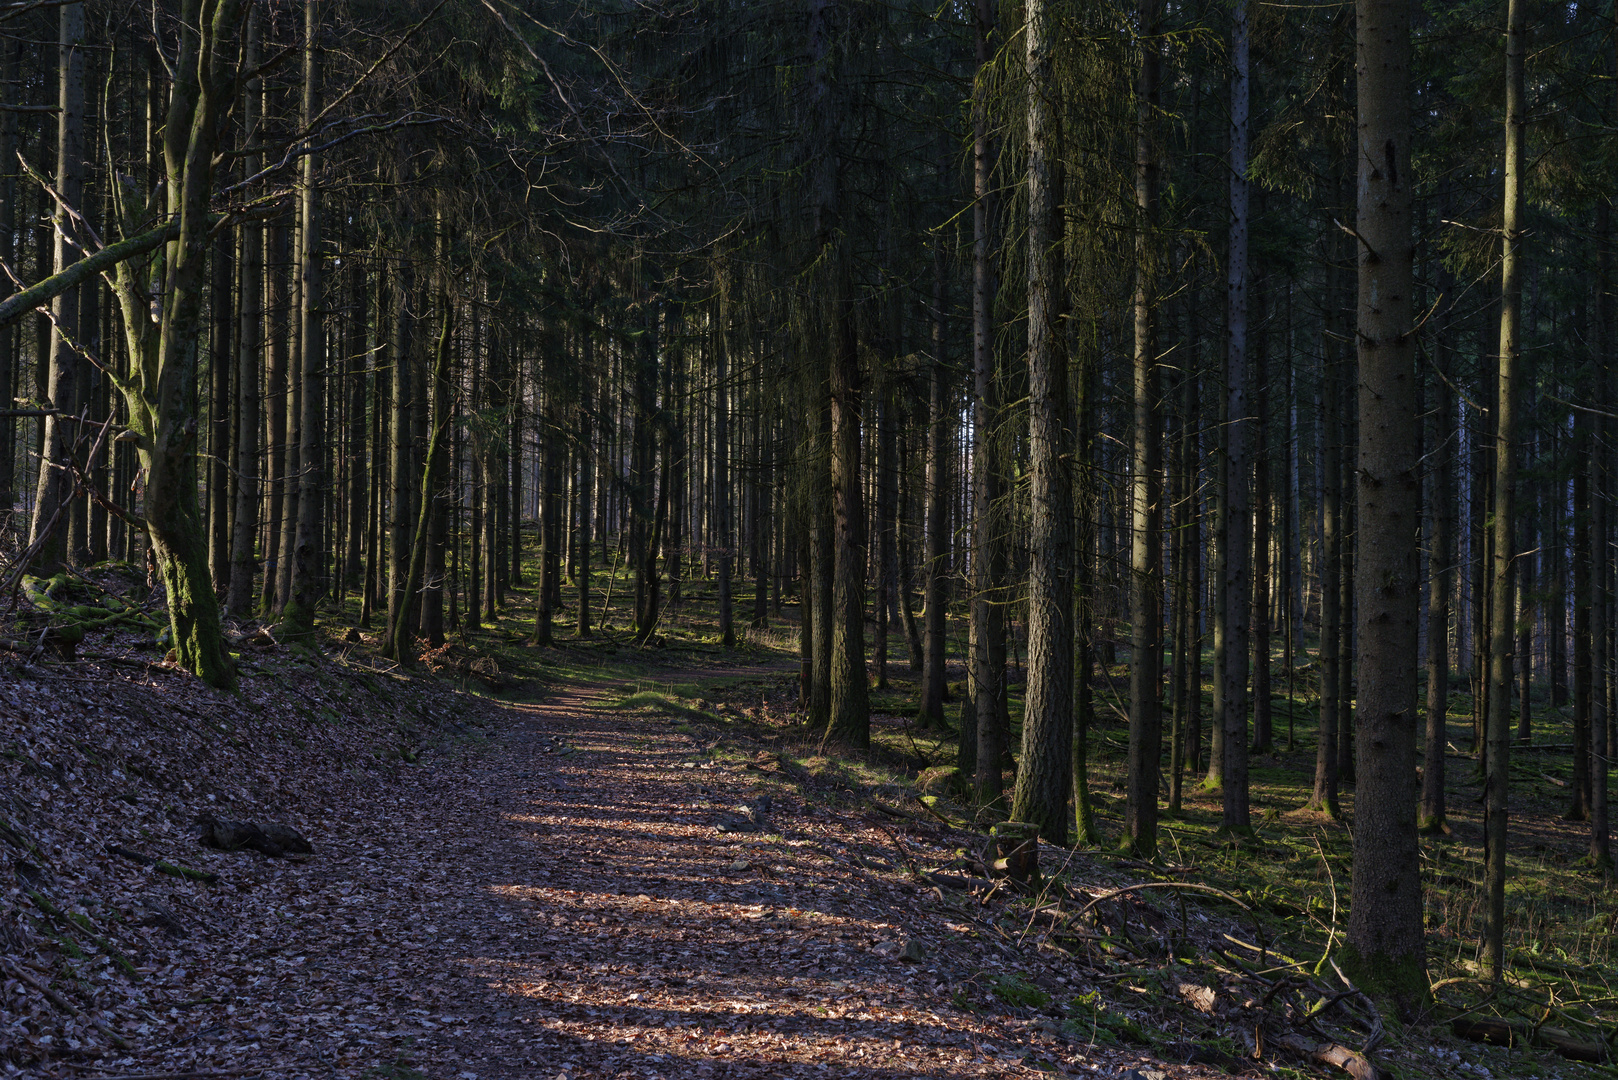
point(179, 545)
point(161, 388)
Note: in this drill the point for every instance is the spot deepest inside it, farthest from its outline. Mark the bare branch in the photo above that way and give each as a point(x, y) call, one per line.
point(20, 303)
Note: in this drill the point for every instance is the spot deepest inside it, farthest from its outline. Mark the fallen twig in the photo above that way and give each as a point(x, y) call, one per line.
point(67, 1006)
point(165, 867)
point(1114, 893)
point(50, 995)
point(900, 848)
point(917, 796)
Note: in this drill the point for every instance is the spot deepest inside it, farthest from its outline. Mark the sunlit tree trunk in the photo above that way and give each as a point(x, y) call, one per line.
point(52, 494)
point(1045, 764)
point(1502, 594)
point(161, 393)
point(1146, 485)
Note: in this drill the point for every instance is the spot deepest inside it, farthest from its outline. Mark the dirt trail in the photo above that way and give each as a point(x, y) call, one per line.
point(560, 902)
point(609, 929)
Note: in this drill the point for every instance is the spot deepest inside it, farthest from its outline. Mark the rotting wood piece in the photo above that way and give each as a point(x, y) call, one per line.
point(1498, 1032)
point(1335, 1055)
point(272, 839)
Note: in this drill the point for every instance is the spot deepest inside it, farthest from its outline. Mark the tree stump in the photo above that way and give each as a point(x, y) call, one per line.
point(1016, 853)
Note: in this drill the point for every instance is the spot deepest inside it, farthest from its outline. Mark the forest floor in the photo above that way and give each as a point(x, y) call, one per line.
point(564, 869)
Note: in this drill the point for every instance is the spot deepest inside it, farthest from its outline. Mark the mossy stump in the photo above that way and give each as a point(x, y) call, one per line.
point(1016, 851)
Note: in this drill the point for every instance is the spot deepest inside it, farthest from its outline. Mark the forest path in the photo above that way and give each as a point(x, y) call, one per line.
point(589, 920)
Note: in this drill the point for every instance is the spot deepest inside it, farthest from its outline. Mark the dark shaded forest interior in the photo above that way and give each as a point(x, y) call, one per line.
point(1117, 493)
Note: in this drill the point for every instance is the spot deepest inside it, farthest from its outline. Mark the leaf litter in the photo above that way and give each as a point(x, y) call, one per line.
point(558, 889)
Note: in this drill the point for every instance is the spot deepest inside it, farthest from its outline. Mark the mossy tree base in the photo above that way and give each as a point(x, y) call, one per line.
point(1330, 810)
point(297, 621)
point(199, 644)
point(1432, 827)
point(1238, 836)
point(1397, 984)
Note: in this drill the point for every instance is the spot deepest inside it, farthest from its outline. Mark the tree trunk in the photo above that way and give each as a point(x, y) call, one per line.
point(292, 405)
point(437, 491)
point(721, 470)
point(358, 470)
point(162, 394)
point(1263, 723)
point(1497, 775)
point(305, 583)
point(1146, 487)
point(581, 546)
point(987, 660)
point(1087, 833)
point(1441, 575)
point(1238, 507)
point(759, 484)
point(275, 395)
point(220, 363)
point(850, 708)
point(548, 534)
point(400, 352)
point(1329, 418)
point(54, 492)
point(677, 412)
point(401, 632)
point(1594, 463)
point(249, 353)
point(1385, 945)
point(887, 495)
point(940, 444)
point(1044, 767)
point(11, 247)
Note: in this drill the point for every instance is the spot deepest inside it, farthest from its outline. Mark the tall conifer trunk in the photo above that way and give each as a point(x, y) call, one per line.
point(1384, 952)
point(940, 443)
point(1441, 576)
point(49, 527)
point(400, 352)
point(249, 354)
point(1146, 486)
point(1595, 463)
point(987, 638)
point(1238, 506)
point(1045, 764)
point(305, 584)
point(1502, 594)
